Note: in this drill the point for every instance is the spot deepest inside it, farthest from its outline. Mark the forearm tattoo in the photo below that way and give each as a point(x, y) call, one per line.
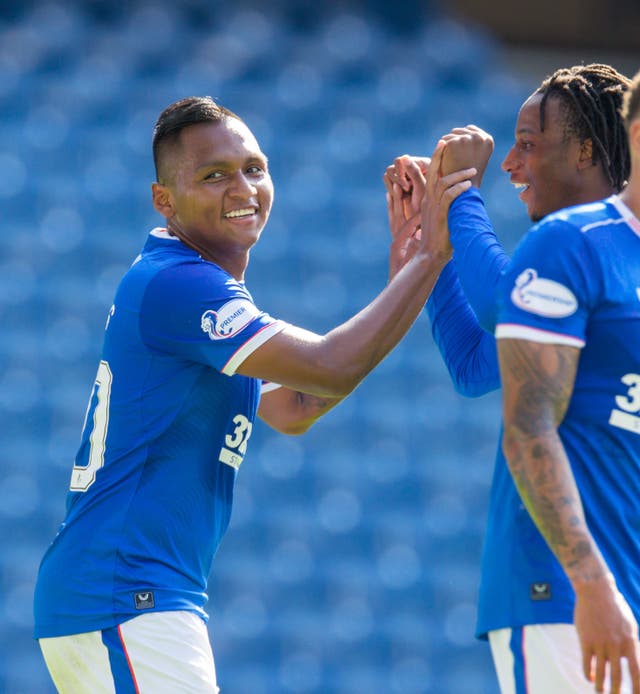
point(538, 381)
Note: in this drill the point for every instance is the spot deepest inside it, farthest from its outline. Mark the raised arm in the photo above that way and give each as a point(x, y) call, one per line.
point(468, 352)
point(479, 257)
point(537, 381)
point(332, 365)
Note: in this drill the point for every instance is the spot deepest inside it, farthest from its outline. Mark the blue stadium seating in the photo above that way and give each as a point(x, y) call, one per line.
point(352, 561)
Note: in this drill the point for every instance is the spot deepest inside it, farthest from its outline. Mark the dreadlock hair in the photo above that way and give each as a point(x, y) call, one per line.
point(631, 107)
point(179, 115)
point(591, 97)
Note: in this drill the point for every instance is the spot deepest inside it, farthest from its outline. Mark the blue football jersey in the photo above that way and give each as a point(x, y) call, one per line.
point(574, 280)
point(166, 428)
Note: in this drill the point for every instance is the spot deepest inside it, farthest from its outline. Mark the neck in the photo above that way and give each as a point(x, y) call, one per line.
point(596, 185)
point(630, 196)
point(234, 261)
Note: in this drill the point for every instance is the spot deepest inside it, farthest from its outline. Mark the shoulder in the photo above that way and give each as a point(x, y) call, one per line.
point(188, 276)
point(585, 219)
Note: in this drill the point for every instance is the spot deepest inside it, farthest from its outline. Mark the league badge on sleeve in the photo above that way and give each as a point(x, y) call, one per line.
point(542, 296)
point(229, 319)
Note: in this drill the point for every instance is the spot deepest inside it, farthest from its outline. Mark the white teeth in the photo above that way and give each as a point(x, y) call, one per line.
point(241, 213)
point(521, 186)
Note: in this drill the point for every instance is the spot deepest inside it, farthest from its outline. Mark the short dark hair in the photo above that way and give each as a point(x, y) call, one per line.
point(180, 115)
point(631, 105)
point(591, 98)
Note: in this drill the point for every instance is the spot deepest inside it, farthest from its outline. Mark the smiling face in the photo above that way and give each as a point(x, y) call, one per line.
point(547, 163)
point(216, 191)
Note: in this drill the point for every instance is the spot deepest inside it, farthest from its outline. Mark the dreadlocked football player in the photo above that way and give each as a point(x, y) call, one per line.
point(570, 148)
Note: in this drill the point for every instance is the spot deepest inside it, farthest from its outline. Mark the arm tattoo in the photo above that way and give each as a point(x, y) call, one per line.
point(538, 381)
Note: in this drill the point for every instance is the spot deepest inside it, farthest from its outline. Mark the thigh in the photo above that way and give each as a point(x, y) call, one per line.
point(155, 653)
point(79, 664)
point(541, 659)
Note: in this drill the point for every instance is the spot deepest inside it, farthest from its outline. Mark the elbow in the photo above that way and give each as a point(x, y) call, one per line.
point(294, 428)
point(473, 387)
point(337, 378)
point(472, 390)
point(342, 388)
point(290, 423)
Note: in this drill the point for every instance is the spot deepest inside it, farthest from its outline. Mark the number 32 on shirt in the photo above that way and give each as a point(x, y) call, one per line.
point(626, 416)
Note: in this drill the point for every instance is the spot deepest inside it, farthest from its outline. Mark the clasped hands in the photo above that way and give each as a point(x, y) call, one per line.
point(420, 191)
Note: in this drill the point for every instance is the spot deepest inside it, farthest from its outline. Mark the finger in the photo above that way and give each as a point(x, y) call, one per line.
point(390, 211)
point(392, 173)
point(394, 206)
point(601, 670)
point(423, 163)
point(409, 228)
point(457, 176)
point(436, 159)
point(479, 131)
point(634, 668)
point(402, 205)
point(615, 674)
point(401, 166)
point(587, 660)
point(414, 173)
point(418, 183)
point(397, 194)
point(401, 160)
point(452, 192)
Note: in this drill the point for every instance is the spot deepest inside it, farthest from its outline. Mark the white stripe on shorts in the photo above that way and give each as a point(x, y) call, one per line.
point(154, 653)
point(543, 659)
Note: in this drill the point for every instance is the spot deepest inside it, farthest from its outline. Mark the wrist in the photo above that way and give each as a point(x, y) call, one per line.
point(586, 582)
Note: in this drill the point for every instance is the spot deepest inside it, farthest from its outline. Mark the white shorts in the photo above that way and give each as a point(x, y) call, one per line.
point(543, 659)
point(155, 653)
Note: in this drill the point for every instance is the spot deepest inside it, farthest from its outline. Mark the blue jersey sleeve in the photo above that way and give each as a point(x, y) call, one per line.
point(480, 259)
point(551, 286)
point(468, 351)
point(199, 312)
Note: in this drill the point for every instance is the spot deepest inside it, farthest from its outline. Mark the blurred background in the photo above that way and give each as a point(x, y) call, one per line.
point(351, 565)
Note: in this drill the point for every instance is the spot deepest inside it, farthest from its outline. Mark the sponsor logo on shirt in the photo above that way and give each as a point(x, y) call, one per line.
point(540, 591)
point(542, 296)
point(144, 600)
point(229, 319)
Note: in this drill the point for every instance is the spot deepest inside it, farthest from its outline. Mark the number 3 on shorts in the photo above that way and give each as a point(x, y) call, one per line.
point(83, 477)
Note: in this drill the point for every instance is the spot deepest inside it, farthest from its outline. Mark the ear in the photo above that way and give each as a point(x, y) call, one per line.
point(585, 158)
point(162, 200)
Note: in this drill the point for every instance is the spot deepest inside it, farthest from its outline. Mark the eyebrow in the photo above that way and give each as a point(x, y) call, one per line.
point(225, 163)
point(526, 130)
